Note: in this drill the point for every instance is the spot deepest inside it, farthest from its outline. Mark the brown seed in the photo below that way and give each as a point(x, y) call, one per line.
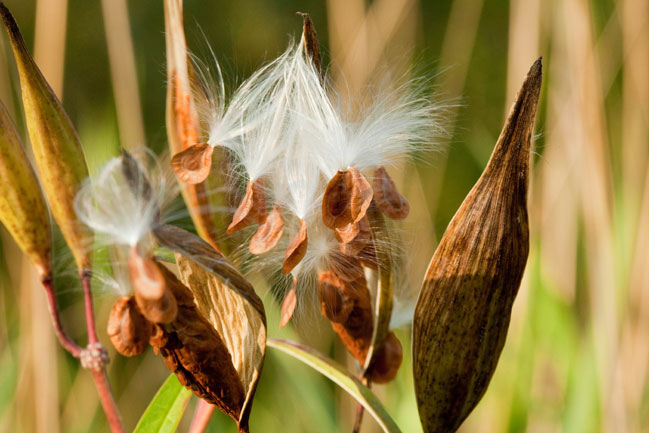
point(193, 164)
point(346, 199)
point(387, 360)
point(268, 233)
point(347, 233)
point(387, 197)
point(251, 209)
point(152, 295)
point(335, 305)
point(362, 239)
point(296, 249)
point(128, 329)
point(347, 268)
point(289, 304)
point(349, 301)
point(311, 45)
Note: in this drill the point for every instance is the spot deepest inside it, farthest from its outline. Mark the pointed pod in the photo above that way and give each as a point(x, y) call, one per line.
point(463, 312)
point(55, 144)
point(128, 329)
point(22, 207)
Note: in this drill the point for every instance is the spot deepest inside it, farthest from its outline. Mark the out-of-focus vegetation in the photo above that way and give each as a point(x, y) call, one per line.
point(577, 355)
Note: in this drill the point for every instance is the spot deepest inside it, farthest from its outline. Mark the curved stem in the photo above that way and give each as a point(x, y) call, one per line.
point(107, 400)
point(202, 415)
point(88, 307)
point(65, 340)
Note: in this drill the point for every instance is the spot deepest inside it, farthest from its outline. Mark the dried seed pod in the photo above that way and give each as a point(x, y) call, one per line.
point(288, 305)
point(346, 199)
point(386, 361)
point(55, 144)
point(194, 351)
point(153, 297)
point(311, 45)
point(183, 128)
point(193, 164)
point(22, 206)
point(387, 197)
point(463, 312)
point(348, 306)
point(268, 233)
point(251, 209)
point(296, 249)
point(128, 329)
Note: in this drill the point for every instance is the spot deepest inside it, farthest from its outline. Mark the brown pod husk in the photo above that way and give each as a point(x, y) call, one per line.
point(128, 329)
point(348, 306)
point(251, 209)
point(268, 233)
point(386, 361)
point(463, 312)
point(194, 351)
point(296, 249)
point(152, 295)
point(387, 197)
point(193, 164)
point(288, 305)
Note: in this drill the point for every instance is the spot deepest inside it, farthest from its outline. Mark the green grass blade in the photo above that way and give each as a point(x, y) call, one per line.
point(166, 408)
point(340, 377)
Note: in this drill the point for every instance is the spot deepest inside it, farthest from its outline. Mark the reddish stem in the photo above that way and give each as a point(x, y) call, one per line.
point(90, 311)
point(202, 415)
point(359, 418)
point(65, 340)
point(107, 400)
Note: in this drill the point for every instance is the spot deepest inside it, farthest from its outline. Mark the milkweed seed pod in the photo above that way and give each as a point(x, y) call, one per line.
point(195, 352)
point(22, 207)
point(463, 312)
point(128, 329)
point(55, 144)
point(154, 299)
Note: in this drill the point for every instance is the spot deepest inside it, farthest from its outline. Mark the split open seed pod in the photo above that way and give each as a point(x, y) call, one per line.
point(22, 207)
point(229, 304)
point(183, 130)
point(55, 144)
point(464, 308)
point(197, 353)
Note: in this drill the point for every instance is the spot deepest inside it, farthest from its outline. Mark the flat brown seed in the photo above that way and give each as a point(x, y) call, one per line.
point(152, 296)
point(347, 233)
point(361, 193)
point(387, 197)
point(296, 249)
point(128, 329)
point(362, 239)
point(387, 360)
point(335, 306)
point(268, 233)
point(193, 164)
point(289, 304)
point(251, 209)
point(336, 211)
point(347, 268)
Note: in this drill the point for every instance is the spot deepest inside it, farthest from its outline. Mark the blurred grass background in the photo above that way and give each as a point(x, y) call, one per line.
point(577, 354)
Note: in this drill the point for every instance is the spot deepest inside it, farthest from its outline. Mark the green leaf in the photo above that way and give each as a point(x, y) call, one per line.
point(166, 408)
point(340, 377)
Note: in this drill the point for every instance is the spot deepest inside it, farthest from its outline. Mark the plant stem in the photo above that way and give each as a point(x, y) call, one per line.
point(202, 415)
point(65, 340)
point(359, 418)
point(97, 359)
